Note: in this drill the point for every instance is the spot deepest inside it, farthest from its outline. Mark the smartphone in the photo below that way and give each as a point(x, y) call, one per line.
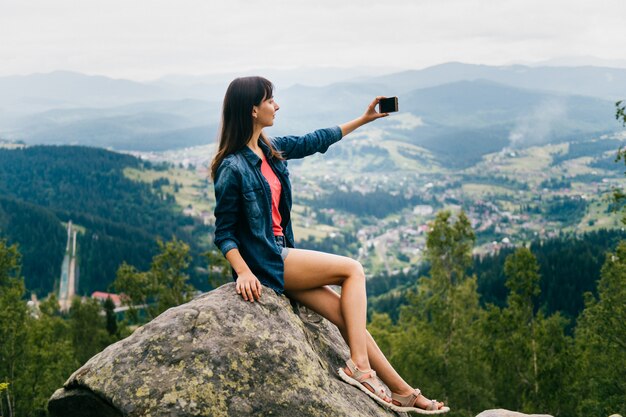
point(388, 105)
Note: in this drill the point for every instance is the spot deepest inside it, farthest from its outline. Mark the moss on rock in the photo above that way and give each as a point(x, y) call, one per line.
point(221, 356)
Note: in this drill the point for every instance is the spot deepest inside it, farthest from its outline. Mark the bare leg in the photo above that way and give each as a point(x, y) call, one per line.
point(305, 270)
point(301, 275)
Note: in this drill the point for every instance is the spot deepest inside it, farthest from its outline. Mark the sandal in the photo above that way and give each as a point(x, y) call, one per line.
point(407, 404)
point(360, 378)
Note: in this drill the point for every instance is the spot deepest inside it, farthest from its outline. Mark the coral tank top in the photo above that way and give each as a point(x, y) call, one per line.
point(276, 189)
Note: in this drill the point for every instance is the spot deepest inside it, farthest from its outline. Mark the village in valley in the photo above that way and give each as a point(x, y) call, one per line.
point(511, 197)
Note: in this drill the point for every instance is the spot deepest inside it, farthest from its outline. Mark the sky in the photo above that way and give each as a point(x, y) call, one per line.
point(146, 39)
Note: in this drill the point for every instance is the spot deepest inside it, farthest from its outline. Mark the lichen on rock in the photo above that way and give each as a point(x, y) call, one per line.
point(219, 356)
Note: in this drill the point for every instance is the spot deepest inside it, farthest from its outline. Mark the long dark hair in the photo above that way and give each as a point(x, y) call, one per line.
point(242, 94)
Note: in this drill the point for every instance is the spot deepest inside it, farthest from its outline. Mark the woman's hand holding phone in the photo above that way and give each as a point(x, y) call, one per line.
point(371, 114)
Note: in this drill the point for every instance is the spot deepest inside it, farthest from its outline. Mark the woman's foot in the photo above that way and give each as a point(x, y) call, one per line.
point(383, 394)
point(416, 401)
point(366, 381)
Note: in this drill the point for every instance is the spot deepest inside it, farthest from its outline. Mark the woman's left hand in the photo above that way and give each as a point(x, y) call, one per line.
point(371, 114)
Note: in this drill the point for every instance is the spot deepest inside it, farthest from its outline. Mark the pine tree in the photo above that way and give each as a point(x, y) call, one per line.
point(50, 358)
point(163, 286)
point(436, 344)
point(620, 112)
point(88, 328)
point(601, 342)
point(111, 318)
point(528, 353)
point(168, 274)
point(13, 316)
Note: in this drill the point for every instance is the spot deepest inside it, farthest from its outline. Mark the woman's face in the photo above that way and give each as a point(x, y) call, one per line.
point(265, 112)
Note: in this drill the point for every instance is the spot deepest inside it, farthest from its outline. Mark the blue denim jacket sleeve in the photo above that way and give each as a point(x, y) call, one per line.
point(293, 147)
point(226, 207)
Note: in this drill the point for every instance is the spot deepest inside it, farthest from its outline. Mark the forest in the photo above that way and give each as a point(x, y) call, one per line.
point(516, 356)
point(376, 203)
point(43, 186)
point(538, 328)
point(481, 333)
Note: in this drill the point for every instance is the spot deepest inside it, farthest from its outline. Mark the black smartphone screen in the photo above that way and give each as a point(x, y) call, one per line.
point(388, 105)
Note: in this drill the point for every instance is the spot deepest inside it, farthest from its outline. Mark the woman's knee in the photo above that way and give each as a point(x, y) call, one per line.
point(355, 270)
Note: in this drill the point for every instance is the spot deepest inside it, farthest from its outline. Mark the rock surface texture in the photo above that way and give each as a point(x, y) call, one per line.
point(219, 356)
point(506, 413)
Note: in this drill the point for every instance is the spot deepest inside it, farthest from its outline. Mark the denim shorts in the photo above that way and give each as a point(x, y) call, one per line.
point(280, 241)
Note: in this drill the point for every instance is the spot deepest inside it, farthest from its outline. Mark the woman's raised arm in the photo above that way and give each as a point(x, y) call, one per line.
point(370, 115)
point(293, 147)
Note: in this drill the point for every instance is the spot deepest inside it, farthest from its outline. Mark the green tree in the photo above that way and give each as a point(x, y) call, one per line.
point(50, 358)
point(13, 317)
point(36, 355)
point(436, 344)
point(528, 353)
point(135, 289)
point(601, 342)
point(88, 328)
point(620, 112)
point(219, 268)
point(163, 286)
point(111, 318)
point(620, 116)
point(4, 386)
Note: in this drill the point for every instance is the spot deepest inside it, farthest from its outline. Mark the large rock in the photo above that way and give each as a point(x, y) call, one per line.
point(219, 356)
point(507, 413)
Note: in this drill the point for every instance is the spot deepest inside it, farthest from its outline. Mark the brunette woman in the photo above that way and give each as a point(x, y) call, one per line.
point(254, 232)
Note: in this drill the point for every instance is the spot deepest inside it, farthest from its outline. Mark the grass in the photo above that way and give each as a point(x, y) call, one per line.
point(192, 187)
point(526, 162)
point(303, 233)
point(598, 215)
point(482, 190)
point(408, 164)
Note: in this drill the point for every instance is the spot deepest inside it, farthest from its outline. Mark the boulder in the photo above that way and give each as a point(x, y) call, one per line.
point(219, 356)
point(506, 413)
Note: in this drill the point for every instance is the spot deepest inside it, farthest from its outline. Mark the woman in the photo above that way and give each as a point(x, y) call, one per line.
point(253, 230)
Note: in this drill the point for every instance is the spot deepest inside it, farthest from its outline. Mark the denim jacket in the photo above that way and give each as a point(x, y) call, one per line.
point(243, 210)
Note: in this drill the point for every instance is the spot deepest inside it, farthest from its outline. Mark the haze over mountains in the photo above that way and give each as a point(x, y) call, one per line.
point(446, 105)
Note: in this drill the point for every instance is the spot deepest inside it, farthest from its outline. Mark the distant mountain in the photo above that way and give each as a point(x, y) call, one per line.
point(607, 83)
point(144, 126)
point(469, 104)
point(454, 102)
point(460, 121)
point(580, 61)
point(72, 88)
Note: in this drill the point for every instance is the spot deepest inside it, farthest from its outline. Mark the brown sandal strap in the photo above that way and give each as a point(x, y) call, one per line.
point(406, 400)
point(433, 405)
point(368, 378)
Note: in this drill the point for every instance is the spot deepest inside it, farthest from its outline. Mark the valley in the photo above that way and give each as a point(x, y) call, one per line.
point(371, 196)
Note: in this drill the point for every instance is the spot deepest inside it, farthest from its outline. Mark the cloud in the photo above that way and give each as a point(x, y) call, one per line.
point(148, 38)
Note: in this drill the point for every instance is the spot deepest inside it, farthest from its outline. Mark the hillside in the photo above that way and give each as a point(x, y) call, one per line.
point(120, 219)
point(569, 266)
